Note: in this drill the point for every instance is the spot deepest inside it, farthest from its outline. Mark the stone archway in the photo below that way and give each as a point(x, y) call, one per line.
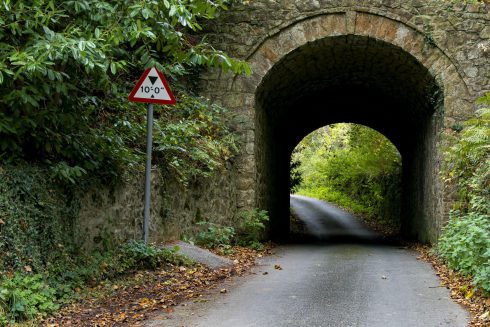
point(446, 43)
point(353, 67)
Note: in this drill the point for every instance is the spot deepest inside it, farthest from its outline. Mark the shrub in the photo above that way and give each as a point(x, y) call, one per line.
point(465, 242)
point(65, 67)
point(252, 227)
point(249, 233)
point(24, 297)
point(215, 235)
point(465, 246)
point(138, 255)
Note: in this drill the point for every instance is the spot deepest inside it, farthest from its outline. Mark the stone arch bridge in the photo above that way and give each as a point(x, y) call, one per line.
point(409, 69)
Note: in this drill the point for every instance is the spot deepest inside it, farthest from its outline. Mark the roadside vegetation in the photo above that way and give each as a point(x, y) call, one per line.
point(465, 242)
point(249, 233)
point(66, 69)
point(352, 166)
point(26, 295)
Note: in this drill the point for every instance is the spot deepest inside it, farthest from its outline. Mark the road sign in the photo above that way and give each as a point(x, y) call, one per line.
point(152, 87)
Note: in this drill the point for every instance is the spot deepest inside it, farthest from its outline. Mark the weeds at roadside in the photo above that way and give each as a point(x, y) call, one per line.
point(27, 295)
point(249, 233)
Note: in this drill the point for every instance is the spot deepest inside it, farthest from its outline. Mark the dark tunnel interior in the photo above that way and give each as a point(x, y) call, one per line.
point(349, 79)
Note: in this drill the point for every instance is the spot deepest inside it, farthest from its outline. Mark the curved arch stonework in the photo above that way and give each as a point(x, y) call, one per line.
point(451, 41)
point(458, 103)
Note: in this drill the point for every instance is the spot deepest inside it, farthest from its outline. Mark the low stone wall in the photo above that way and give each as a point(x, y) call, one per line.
point(110, 216)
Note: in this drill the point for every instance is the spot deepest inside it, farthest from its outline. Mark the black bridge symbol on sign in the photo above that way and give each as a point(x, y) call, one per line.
point(153, 79)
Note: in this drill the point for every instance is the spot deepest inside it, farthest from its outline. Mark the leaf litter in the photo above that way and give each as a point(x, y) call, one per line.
point(461, 288)
point(135, 298)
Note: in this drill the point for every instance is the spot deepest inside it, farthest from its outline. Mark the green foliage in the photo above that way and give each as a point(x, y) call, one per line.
point(353, 166)
point(66, 68)
point(465, 243)
point(193, 139)
point(138, 255)
point(24, 297)
point(465, 246)
point(215, 235)
point(467, 162)
point(251, 229)
point(36, 218)
point(249, 233)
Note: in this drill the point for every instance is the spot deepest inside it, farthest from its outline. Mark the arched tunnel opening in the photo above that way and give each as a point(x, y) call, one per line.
point(352, 79)
point(357, 171)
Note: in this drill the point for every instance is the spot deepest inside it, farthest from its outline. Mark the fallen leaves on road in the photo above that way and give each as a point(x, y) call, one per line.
point(129, 301)
point(277, 267)
point(461, 289)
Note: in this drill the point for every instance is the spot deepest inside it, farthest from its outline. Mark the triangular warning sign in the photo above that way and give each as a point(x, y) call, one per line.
point(152, 87)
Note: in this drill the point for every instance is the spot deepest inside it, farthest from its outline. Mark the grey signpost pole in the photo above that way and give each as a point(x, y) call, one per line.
point(152, 87)
point(149, 143)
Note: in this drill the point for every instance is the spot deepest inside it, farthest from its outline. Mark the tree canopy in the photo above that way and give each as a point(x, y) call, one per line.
point(66, 68)
point(353, 166)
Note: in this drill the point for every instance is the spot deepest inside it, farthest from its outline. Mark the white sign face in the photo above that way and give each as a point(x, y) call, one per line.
point(153, 88)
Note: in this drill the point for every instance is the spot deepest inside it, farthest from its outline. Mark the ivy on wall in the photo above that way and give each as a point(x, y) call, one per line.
point(35, 219)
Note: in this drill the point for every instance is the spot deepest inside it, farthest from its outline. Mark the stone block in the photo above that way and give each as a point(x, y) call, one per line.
point(313, 30)
point(245, 184)
point(334, 24)
point(485, 33)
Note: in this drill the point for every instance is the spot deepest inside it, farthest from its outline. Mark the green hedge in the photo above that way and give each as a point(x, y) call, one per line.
point(465, 242)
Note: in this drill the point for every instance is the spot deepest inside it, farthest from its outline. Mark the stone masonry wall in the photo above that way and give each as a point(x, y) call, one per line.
point(451, 39)
point(110, 216)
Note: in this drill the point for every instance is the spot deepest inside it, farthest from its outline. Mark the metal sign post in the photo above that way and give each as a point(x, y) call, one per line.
point(152, 87)
point(149, 147)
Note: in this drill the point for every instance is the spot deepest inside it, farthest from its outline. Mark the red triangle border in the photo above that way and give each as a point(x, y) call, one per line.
point(132, 98)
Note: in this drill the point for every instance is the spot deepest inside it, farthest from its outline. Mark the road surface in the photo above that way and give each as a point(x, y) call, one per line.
point(330, 283)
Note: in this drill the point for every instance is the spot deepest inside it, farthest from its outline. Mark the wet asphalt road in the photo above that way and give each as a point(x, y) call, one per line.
point(347, 278)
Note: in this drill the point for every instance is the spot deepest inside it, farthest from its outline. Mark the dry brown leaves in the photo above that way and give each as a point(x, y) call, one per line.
point(130, 302)
point(243, 258)
point(462, 291)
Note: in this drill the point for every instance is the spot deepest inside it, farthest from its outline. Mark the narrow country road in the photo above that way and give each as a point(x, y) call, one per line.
point(358, 282)
point(326, 222)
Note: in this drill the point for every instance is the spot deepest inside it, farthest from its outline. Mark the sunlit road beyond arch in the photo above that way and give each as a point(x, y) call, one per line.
point(326, 222)
point(329, 284)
